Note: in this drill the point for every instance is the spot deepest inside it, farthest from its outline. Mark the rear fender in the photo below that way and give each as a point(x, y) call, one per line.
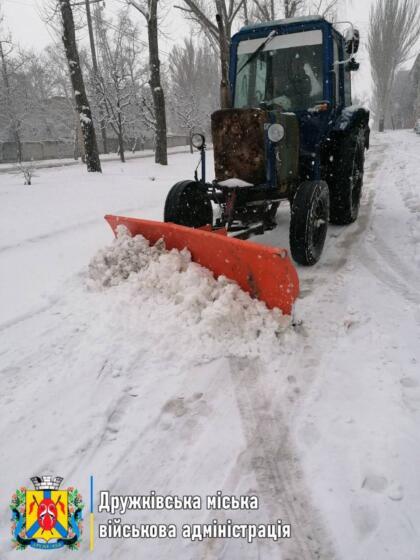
point(351, 118)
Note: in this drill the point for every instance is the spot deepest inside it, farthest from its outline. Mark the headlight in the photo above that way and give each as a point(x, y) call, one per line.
point(198, 140)
point(276, 133)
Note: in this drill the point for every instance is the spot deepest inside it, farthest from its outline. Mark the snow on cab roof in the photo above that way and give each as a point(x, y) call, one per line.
point(301, 19)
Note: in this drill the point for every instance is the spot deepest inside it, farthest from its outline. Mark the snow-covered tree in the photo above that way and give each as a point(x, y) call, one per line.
point(266, 10)
point(115, 87)
point(194, 91)
point(63, 114)
point(78, 85)
point(216, 19)
point(402, 99)
point(394, 30)
point(12, 96)
point(149, 10)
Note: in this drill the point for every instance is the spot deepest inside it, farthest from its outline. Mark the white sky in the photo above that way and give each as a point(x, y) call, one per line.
point(23, 19)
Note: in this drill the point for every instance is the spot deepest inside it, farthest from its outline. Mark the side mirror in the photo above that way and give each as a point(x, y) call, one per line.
point(352, 41)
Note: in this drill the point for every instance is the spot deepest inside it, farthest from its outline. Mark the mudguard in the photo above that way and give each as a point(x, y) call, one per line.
point(352, 117)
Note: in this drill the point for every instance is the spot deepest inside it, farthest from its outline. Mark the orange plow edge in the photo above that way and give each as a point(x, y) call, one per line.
point(266, 273)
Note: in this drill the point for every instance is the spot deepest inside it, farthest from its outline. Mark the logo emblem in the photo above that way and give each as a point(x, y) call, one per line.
point(47, 517)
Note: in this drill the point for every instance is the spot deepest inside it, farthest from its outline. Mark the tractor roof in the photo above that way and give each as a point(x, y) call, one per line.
point(289, 21)
point(303, 23)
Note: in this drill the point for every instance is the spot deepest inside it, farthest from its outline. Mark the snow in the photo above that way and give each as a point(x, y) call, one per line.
point(300, 19)
point(234, 183)
point(133, 364)
point(347, 115)
point(85, 119)
point(215, 314)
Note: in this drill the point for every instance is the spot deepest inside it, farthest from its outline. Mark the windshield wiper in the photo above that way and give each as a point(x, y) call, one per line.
point(257, 51)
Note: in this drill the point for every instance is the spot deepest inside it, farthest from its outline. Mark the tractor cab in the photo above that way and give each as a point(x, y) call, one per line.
point(301, 66)
point(294, 65)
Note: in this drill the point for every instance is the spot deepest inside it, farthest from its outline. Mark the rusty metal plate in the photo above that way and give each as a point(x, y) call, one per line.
point(239, 145)
point(238, 141)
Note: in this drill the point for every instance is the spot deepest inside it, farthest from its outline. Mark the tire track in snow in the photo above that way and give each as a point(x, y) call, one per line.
point(381, 260)
point(266, 416)
point(270, 449)
point(383, 263)
point(275, 464)
point(26, 316)
point(59, 232)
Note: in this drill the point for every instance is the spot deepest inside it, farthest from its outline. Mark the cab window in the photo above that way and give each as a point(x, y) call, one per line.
point(287, 74)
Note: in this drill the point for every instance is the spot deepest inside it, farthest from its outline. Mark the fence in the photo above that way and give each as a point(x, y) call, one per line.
point(51, 149)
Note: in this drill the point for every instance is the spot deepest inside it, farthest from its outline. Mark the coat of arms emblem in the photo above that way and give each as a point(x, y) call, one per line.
point(47, 517)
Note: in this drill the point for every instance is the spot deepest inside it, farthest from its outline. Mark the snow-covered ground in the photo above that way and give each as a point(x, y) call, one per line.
point(64, 162)
point(189, 387)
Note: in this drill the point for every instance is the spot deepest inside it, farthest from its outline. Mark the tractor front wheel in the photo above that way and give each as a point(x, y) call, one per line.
point(309, 222)
point(187, 204)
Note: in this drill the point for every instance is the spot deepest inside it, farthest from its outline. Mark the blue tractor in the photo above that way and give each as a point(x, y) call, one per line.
point(292, 133)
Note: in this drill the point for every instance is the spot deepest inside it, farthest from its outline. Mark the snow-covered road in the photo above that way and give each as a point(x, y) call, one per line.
point(319, 419)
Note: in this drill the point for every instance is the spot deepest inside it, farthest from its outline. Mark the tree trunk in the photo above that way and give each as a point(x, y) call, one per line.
point(82, 104)
point(96, 75)
point(75, 144)
point(121, 146)
point(19, 150)
point(76, 133)
point(161, 153)
point(246, 16)
point(225, 97)
point(80, 139)
point(121, 137)
point(102, 124)
point(381, 124)
point(384, 103)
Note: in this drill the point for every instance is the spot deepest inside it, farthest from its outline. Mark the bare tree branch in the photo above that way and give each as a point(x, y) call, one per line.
point(394, 29)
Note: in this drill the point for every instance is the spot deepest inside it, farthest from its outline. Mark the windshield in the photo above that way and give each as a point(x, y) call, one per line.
point(287, 74)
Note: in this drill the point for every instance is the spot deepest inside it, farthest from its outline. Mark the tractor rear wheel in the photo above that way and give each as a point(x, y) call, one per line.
point(346, 189)
point(309, 222)
point(188, 205)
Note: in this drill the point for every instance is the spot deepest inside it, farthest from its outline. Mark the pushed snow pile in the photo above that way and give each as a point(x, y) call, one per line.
point(128, 255)
point(182, 300)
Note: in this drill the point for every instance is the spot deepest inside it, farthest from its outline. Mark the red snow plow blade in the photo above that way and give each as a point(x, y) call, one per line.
point(264, 272)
